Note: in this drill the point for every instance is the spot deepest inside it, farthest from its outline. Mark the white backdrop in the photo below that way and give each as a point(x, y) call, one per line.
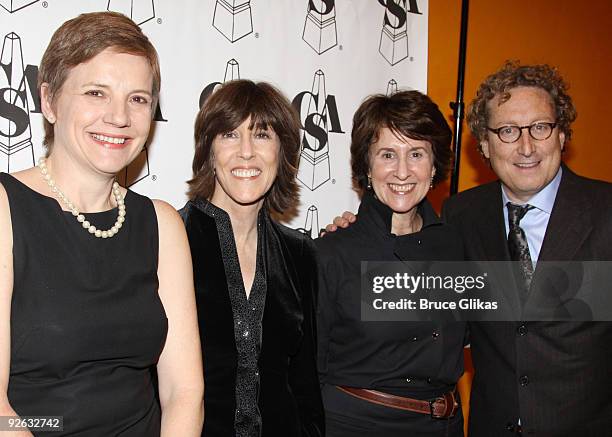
point(325, 55)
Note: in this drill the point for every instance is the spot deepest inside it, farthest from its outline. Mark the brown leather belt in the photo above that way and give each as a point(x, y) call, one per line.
point(444, 407)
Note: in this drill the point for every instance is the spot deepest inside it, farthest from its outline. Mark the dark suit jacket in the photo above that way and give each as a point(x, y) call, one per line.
point(289, 398)
point(555, 376)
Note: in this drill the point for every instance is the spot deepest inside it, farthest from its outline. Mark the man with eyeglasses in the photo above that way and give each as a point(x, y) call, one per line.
point(536, 378)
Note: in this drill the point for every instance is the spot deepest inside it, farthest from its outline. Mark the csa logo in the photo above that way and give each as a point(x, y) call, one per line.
point(320, 31)
point(15, 5)
point(393, 44)
point(317, 112)
point(233, 18)
point(311, 226)
point(232, 72)
point(16, 151)
point(139, 11)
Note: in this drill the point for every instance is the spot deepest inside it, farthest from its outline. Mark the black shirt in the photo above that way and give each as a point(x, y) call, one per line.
point(87, 323)
point(415, 359)
point(248, 315)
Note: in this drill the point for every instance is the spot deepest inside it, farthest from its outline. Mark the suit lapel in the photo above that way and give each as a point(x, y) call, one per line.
point(569, 226)
point(570, 222)
point(491, 231)
point(491, 228)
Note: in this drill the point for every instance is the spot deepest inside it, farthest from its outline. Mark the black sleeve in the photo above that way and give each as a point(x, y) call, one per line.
point(446, 211)
point(325, 308)
point(303, 377)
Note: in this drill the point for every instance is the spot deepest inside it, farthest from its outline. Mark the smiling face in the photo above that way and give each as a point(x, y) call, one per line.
point(526, 166)
point(246, 164)
point(101, 116)
point(401, 170)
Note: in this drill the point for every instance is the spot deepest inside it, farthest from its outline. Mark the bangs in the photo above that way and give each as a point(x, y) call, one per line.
point(262, 109)
point(262, 121)
point(246, 101)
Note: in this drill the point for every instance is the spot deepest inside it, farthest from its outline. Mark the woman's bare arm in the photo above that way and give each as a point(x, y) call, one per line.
point(181, 385)
point(6, 293)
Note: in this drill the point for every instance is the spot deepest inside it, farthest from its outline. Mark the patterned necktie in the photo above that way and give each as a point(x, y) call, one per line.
point(517, 242)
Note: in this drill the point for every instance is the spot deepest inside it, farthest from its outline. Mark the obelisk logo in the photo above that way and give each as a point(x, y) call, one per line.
point(233, 18)
point(140, 11)
point(394, 34)
point(15, 5)
point(320, 30)
point(314, 157)
point(391, 87)
point(16, 151)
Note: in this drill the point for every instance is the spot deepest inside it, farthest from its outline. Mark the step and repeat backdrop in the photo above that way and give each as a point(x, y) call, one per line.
point(325, 55)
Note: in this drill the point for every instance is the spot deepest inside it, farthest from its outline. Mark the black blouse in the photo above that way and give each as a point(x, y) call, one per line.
point(414, 359)
point(247, 317)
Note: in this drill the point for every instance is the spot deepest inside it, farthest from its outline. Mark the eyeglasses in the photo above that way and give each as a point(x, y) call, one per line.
point(538, 131)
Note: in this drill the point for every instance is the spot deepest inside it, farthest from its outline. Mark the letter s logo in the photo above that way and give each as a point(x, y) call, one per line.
point(399, 12)
point(398, 9)
point(18, 118)
point(329, 5)
point(312, 125)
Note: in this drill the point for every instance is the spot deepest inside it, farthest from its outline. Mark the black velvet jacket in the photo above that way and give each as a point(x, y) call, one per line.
point(289, 398)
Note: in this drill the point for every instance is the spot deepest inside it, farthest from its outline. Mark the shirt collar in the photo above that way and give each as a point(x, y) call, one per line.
point(384, 213)
point(212, 210)
point(544, 200)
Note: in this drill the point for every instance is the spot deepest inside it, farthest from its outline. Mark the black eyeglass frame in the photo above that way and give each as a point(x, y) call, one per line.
point(552, 126)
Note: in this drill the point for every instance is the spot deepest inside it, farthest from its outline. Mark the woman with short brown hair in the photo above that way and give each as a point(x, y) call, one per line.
point(96, 292)
point(255, 279)
point(385, 378)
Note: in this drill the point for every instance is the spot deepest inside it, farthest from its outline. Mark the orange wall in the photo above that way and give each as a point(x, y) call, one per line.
point(575, 36)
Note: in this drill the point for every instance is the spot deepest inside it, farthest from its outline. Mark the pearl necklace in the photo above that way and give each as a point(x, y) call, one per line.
point(42, 164)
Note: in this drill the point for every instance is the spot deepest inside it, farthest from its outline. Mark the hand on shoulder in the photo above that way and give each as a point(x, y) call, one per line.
point(342, 221)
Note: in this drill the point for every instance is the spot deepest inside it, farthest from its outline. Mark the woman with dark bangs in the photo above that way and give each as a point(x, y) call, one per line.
point(254, 278)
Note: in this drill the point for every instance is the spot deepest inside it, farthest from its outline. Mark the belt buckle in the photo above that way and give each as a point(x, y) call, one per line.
point(450, 406)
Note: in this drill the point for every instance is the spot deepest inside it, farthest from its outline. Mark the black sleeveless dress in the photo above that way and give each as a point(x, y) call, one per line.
point(87, 324)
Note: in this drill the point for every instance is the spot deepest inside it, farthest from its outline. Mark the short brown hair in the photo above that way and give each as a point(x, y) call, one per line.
point(82, 38)
point(513, 75)
point(410, 114)
point(227, 108)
